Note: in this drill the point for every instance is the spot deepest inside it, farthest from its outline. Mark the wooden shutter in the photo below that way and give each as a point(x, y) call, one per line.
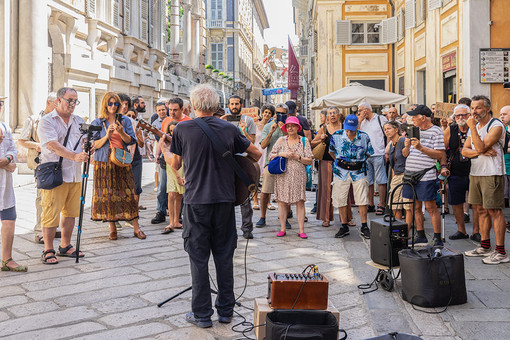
point(433, 4)
point(410, 19)
point(91, 8)
point(343, 32)
point(144, 21)
point(116, 13)
point(127, 16)
point(389, 34)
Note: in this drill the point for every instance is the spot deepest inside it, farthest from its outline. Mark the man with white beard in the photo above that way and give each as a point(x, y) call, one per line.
point(459, 166)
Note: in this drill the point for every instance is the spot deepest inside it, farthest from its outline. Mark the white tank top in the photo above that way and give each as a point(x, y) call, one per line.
point(485, 165)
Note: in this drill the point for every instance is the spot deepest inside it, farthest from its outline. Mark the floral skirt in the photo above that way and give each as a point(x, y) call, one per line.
point(114, 193)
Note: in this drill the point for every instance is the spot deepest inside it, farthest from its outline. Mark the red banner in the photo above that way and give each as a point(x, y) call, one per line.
point(293, 76)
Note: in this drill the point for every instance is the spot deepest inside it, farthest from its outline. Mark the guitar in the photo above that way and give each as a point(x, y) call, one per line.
point(149, 128)
point(252, 169)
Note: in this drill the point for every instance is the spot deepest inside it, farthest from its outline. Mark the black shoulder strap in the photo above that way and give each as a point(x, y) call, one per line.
point(65, 143)
point(222, 149)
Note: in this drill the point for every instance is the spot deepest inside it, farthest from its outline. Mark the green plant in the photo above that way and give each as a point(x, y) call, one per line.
point(216, 70)
point(209, 67)
point(225, 76)
point(230, 78)
point(222, 74)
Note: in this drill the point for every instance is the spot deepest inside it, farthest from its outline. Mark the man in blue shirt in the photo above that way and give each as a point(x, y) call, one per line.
point(350, 148)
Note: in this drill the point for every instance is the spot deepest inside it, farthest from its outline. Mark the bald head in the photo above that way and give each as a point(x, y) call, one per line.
point(504, 114)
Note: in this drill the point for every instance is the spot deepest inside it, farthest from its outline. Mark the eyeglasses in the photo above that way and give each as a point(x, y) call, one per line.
point(461, 115)
point(333, 113)
point(111, 104)
point(71, 102)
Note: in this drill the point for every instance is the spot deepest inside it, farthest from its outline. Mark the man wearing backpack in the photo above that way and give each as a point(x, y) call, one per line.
point(484, 145)
point(504, 115)
point(372, 124)
point(29, 139)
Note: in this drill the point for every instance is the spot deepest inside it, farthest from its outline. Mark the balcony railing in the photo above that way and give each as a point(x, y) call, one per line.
point(215, 24)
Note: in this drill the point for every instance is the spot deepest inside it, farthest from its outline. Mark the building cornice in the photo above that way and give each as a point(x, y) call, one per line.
point(259, 6)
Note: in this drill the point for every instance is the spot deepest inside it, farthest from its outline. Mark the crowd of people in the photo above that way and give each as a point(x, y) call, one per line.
point(359, 157)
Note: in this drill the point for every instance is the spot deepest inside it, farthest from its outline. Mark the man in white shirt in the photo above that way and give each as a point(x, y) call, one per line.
point(373, 124)
point(484, 145)
point(61, 205)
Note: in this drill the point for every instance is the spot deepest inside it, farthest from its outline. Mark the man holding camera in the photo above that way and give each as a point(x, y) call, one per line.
point(162, 195)
point(484, 145)
point(426, 147)
point(455, 136)
point(247, 127)
point(61, 205)
point(208, 213)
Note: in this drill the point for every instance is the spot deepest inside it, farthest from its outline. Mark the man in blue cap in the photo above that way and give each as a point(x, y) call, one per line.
point(350, 148)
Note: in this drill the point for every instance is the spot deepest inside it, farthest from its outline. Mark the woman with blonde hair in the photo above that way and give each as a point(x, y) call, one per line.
point(114, 187)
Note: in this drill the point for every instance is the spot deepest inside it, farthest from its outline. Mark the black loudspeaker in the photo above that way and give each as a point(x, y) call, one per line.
point(433, 277)
point(298, 324)
point(386, 241)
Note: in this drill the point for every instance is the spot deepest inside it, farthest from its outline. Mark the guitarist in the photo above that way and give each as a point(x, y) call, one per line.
point(208, 214)
point(247, 127)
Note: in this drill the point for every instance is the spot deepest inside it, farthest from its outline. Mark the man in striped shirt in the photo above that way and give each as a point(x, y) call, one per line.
point(423, 154)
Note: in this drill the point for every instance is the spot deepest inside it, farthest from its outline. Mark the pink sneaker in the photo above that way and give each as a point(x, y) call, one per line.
point(281, 234)
point(303, 235)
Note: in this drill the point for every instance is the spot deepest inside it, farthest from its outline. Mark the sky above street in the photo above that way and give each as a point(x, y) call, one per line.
point(281, 23)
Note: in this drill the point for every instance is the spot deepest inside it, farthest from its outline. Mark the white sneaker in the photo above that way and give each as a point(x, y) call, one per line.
point(479, 251)
point(496, 258)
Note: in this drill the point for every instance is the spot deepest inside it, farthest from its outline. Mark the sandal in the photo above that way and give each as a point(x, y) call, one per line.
point(256, 207)
point(325, 224)
point(63, 252)
point(18, 268)
point(113, 235)
point(380, 210)
point(45, 258)
point(140, 234)
point(167, 230)
point(271, 207)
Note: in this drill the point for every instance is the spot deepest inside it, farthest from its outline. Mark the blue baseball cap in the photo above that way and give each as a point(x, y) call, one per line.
point(351, 123)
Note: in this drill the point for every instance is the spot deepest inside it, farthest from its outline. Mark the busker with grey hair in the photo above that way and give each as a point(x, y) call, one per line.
point(29, 139)
point(459, 167)
point(209, 223)
point(372, 124)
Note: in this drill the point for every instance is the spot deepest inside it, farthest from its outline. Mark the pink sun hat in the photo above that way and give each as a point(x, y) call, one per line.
point(292, 120)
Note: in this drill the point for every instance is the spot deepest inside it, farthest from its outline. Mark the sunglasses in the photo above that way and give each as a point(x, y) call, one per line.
point(71, 102)
point(111, 104)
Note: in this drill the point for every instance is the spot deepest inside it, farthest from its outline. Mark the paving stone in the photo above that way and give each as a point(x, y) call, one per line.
point(3, 316)
point(35, 322)
point(11, 290)
point(33, 308)
point(389, 320)
point(487, 330)
point(494, 299)
point(119, 305)
point(7, 301)
point(133, 316)
point(36, 275)
point(132, 332)
point(480, 315)
point(68, 331)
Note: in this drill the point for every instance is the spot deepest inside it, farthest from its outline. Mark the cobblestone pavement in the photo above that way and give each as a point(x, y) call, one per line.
point(113, 292)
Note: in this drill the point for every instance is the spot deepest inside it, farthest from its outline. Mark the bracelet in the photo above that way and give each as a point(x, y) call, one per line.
point(9, 159)
point(443, 166)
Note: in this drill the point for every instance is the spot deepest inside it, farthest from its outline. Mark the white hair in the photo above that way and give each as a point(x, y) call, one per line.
point(204, 98)
point(461, 106)
point(52, 96)
point(365, 105)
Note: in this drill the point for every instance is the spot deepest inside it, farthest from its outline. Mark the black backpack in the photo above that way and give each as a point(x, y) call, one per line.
point(507, 134)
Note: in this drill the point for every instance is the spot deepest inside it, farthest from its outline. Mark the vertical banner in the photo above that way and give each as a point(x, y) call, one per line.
point(293, 76)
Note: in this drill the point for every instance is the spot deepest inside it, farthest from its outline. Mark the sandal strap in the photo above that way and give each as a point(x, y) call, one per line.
point(48, 251)
point(64, 250)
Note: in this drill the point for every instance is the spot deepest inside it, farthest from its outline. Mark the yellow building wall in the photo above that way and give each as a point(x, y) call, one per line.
point(500, 38)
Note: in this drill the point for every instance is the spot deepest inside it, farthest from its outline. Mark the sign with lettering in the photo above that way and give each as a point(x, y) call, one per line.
point(449, 62)
point(444, 110)
point(494, 65)
point(278, 90)
point(252, 112)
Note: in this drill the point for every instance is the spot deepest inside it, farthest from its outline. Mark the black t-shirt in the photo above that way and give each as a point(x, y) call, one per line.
point(304, 124)
point(460, 166)
point(209, 178)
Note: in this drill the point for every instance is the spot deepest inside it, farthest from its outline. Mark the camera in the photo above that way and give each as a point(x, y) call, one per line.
point(280, 117)
point(89, 128)
point(413, 132)
point(233, 118)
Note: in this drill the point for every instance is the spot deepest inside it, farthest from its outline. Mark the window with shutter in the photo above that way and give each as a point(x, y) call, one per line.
point(410, 14)
point(365, 33)
point(217, 56)
point(127, 16)
point(401, 28)
point(389, 34)
point(433, 4)
point(315, 39)
point(91, 8)
point(144, 35)
point(153, 22)
point(343, 32)
point(116, 13)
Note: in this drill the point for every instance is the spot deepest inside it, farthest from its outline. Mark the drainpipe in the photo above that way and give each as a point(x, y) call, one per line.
point(392, 52)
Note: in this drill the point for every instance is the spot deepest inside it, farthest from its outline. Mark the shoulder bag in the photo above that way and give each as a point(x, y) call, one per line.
point(414, 177)
point(119, 157)
point(277, 165)
point(319, 149)
point(49, 175)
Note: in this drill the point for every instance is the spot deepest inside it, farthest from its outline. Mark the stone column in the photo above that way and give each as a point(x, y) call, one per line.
point(196, 42)
point(174, 29)
point(33, 58)
point(186, 36)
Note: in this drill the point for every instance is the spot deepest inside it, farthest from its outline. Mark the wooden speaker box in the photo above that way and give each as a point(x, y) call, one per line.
point(310, 291)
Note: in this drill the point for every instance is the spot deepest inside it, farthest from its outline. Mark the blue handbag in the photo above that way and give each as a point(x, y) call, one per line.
point(277, 165)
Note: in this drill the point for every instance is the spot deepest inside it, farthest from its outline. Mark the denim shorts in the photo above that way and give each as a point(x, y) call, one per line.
point(137, 167)
point(425, 191)
point(375, 166)
point(457, 188)
point(8, 214)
